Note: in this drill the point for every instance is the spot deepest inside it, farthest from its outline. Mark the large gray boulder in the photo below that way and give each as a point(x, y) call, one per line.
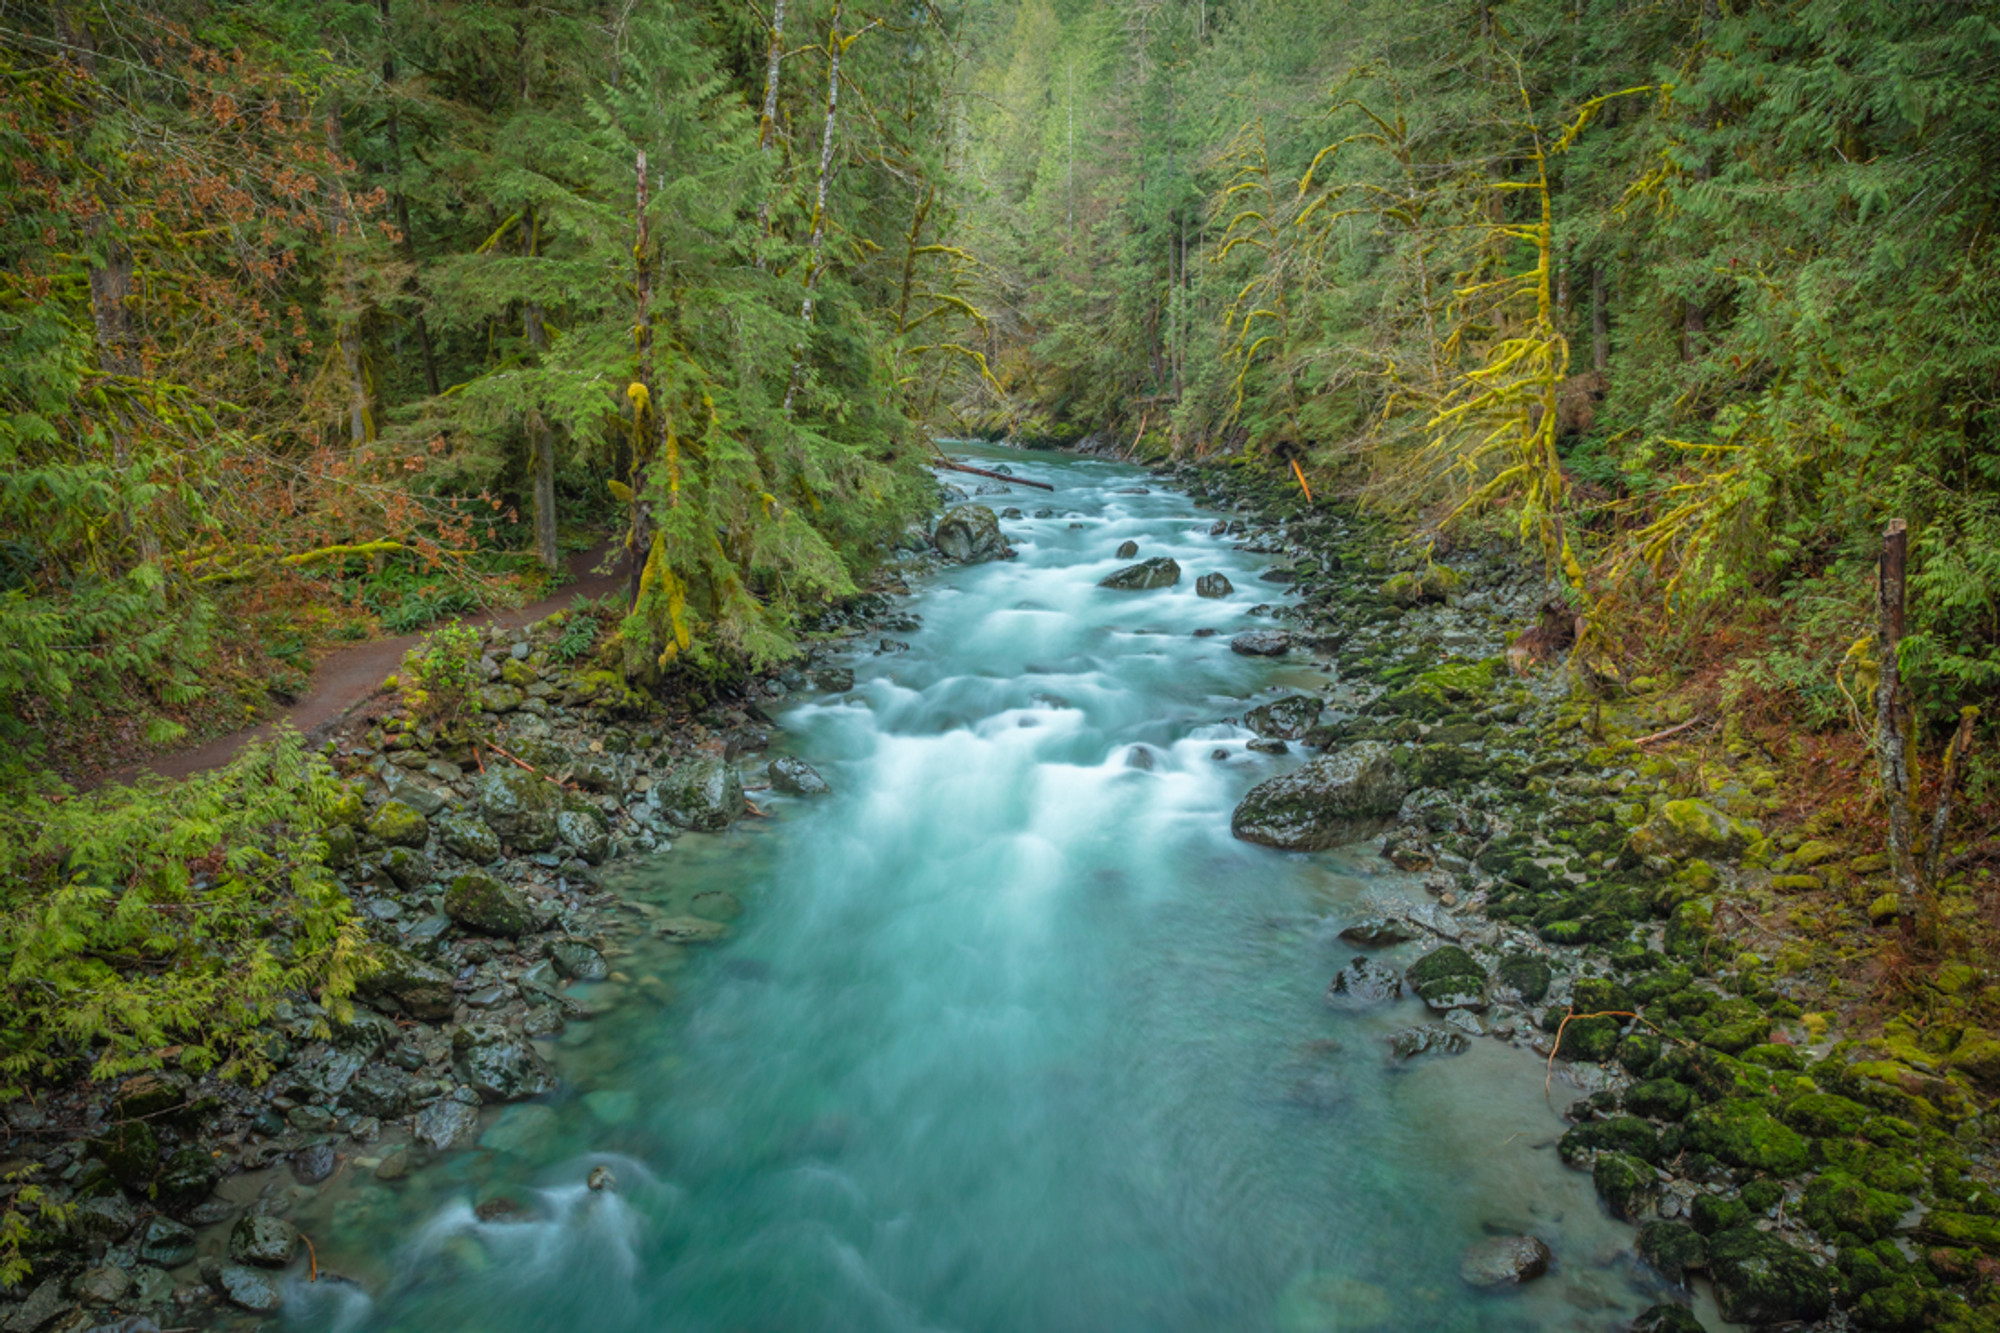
point(498, 1065)
point(518, 806)
point(1335, 799)
point(478, 901)
point(420, 990)
point(1213, 585)
point(970, 534)
point(1159, 572)
point(467, 835)
point(1288, 718)
point(584, 832)
point(701, 794)
point(795, 777)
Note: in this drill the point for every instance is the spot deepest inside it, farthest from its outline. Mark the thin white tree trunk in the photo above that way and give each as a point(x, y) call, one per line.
point(816, 244)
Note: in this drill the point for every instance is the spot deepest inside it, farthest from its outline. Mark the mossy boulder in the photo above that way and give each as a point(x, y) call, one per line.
point(399, 825)
point(1526, 973)
point(1711, 1213)
point(468, 836)
point(1594, 1040)
point(130, 1151)
point(1456, 687)
point(1288, 718)
point(1619, 1133)
point(1159, 572)
point(1335, 799)
point(1689, 829)
point(1759, 1279)
point(1659, 1098)
point(1628, 1186)
point(1736, 1037)
point(1673, 1248)
point(519, 807)
point(478, 901)
point(1837, 1204)
point(346, 807)
point(1433, 583)
point(420, 990)
point(1965, 1229)
point(1746, 1135)
point(700, 793)
point(970, 534)
point(1446, 963)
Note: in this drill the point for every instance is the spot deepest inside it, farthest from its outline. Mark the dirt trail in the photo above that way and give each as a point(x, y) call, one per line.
point(348, 676)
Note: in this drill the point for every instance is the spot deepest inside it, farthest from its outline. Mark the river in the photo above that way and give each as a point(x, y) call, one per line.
point(1011, 1035)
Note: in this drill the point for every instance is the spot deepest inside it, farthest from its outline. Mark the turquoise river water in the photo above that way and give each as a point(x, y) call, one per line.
point(1011, 1036)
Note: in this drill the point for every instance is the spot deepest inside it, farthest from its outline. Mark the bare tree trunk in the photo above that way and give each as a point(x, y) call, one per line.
point(360, 426)
point(1892, 736)
point(1600, 321)
point(402, 207)
point(767, 127)
point(816, 243)
point(1954, 765)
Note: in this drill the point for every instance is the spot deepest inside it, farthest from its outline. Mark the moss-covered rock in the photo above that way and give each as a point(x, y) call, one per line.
point(1590, 1039)
point(1825, 1115)
point(1759, 1279)
point(1526, 973)
point(1673, 1248)
point(1335, 799)
point(1734, 1038)
point(1837, 1204)
point(1638, 1052)
point(1621, 1133)
point(399, 825)
point(420, 990)
point(1628, 1186)
point(1693, 829)
point(130, 1151)
point(1448, 962)
point(468, 836)
point(1968, 1229)
point(478, 901)
point(1433, 583)
point(1745, 1134)
point(519, 807)
point(1717, 1212)
point(1659, 1098)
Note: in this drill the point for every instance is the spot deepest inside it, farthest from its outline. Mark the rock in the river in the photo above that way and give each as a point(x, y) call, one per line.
point(266, 1241)
point(795, 777)
point(314, 1163)
point(578, 961)
point(1335, 799)
point(1159, 572)
point(248, 1288)
point(1664, 1318)
point(1213, 585)
point(468, 836)
point(480, 902)
point(443, 1123)
point(1505, 1261)
point(1267, 745)
point(1761, 1280)
point(498, 1065)
point(1288, 718)
point(1126, 550)
point(700, 793)
point(1262, 643)
point(1380, 932)
point(970, 534)
point(1428, 1039)
point(519, 807)
point(1673, 1248)
point(1364, 981)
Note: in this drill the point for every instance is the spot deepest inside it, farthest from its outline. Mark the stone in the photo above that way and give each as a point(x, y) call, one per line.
point(1628, 1186)
point(467, 835)
point(1262, 643)
point(795, 777)
point(1505, 1261)
point(1364, 981)
point(1380, 932)
point(1446, 962)
point(518, 806)
point(689, 929)
point(1334, 799)
point(1159, 572)
point(1692, 829)
point(498, 698)
point(1528, 975)
point(265, 1241)
point(249, 1289)
point(585, 834)
point(578, 961)
point(478, 901)
point(1666, 1318)
point(1428, 1039)
point(1126, 550)
point(1759, 1279)
point(378, 1090)
point(1267, 745)
point(314, 1163)
point(521, 1131)
point(970, 534)
point(446, 1122)
point(187, 1178)
point(395, 1164)
point(131, 1152)
point(104, 1285)
point(106, 1217)
point(166, 1243)
point(1213, 585)
point(1289, 718)
point(399, 825)
point(1673, 1248)
point(1659, 1098)
point(701, 794)
point(1836, 1204)
point(1744, 1134)
point(498, 1065)
point(409, 870)
point(418, 989)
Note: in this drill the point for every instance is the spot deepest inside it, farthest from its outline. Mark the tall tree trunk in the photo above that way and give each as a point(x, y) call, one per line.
point(360, 425)
point(639, 540)
point(402, 206)
point(836, 47)
point(1600, 321)
point(1892, 731)
point(541, 439)
point(767, 126)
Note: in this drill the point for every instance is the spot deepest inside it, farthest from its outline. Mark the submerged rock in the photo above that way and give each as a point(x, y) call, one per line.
point(970, 534)
point(266, 1241)
point(442, 1124)
point(248, 1288)
point(1289, 718)
point(1428, 1039)
point(1159, 572)
point(1262, 643)
point(1505, 1261)
point(1331, 800)
point(1364, 981)
point(795, 777)
point(1759, 1279)
point(498, 1065)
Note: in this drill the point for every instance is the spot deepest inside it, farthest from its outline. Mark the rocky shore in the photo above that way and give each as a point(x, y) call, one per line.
point(1604, 906)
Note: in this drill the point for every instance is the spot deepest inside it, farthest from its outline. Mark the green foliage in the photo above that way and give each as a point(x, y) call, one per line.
point(156, 924)
point(28, 1213)
point(576, 639)
point(440, 674)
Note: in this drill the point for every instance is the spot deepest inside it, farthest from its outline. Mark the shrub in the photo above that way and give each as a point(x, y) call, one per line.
point(440, 674)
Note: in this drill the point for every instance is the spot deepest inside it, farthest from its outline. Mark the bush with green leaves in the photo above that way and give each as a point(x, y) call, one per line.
point(159, 923)
point(440, 674)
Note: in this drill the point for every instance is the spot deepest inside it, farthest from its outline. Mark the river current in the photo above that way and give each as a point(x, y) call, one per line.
point(1011, 1035)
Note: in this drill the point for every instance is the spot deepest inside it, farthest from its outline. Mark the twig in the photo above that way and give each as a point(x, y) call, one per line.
point(312, 1256)
point(1670, 731)
point(1548, 1079)
point(751, 806)
point(524, 764)
point(1300, 474)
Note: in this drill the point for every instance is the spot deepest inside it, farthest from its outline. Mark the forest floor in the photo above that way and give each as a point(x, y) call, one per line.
point(347, 676)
